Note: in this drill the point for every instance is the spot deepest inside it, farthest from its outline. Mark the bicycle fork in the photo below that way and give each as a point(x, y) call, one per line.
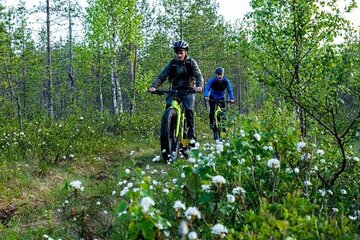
point(181, 131)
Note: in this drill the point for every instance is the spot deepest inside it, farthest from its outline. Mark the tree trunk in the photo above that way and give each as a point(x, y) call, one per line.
point(113, 88)
point(50, 82)
point(132, 78)
point(70, 68)
point(119, 98)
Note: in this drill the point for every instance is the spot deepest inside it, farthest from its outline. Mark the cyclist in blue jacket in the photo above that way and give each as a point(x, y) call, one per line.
point(215, 90)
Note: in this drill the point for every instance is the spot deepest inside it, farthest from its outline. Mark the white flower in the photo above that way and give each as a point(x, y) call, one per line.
point(146, 203)
point(242, 133)
point(322, 192)
point(219, 229)
point(305, 156)
point(258, 157)
point(132, 153)
point(307, 183)
point(182, 175)
point(77, 185)
point(124, 191)
point(353, 218)
point(179, 205)
point(127, 171)
point(165, 190)
point(205, 188)
point(335, 210)
point(230, 198)
point(257, 137)
point(191, 160)
point(156, 159)
point(356, 159)
point(122, 213)
point(343, 191)
point(269, 148)
point(308, 217)
point(322, 161)
point(192, 236)
point(98, 203)
point(296, 170)
point(330, 192)
point(238, 191)
point(218, 180)
point(273, 163)
point(192, 212)
point(320, 152)
point(219, 147)
point(300, 146)
point(183, 228)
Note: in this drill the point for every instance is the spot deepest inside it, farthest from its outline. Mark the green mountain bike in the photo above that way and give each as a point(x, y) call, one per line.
point(174, 130)
point(220, 119)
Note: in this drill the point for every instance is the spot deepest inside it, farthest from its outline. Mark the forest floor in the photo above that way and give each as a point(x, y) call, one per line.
point(30, 198)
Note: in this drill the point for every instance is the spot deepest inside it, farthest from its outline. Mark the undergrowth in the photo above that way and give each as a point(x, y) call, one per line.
point(104, 179)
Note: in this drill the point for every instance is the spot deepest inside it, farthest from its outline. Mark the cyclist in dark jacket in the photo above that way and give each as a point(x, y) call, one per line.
point(215, 90)
point(183, 73)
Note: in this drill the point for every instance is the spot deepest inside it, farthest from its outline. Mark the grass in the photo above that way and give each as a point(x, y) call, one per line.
point(29, 201)
point(35, 204)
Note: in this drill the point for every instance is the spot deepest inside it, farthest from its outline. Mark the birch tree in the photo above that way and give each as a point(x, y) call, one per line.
point(295, 46)
point(113, 26)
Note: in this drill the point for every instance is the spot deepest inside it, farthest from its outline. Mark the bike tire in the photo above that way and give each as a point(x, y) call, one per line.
point(219, 127)
point(168, 140)
point(216, 133)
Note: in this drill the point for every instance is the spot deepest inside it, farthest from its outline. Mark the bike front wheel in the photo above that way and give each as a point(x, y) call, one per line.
point(168, 139)
point(219, 127)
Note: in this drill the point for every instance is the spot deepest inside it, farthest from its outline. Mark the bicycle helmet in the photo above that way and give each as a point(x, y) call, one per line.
point(219, 71)
point(180, 45)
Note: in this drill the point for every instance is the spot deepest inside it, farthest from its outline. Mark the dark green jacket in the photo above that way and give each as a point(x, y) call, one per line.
point(181, 79)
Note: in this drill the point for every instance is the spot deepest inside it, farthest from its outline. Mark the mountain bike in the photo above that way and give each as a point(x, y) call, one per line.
point(174, 130)
point(220, 119)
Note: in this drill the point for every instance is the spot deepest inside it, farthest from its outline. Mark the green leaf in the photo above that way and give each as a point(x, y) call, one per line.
point(147, 228)
point(282, 225)
point(122, 206)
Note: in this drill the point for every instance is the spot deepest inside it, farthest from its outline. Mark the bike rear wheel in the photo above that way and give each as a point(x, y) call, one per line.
point(168, 139)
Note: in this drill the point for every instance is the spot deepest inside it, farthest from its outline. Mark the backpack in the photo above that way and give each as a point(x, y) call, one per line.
point(188, 66)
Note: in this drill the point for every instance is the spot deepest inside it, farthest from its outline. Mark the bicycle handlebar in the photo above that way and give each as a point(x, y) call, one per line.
point(176, 92)
point(218, 101)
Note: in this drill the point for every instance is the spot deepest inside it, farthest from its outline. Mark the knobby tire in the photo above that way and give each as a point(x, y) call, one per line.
point(169, 141)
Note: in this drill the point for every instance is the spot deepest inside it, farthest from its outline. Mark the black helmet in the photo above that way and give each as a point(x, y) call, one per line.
point(180, 45)
point(219, 71)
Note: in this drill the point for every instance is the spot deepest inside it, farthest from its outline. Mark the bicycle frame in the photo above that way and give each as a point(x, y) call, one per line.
point(218, 111)
point(219, 127)
point(173, 134)
point(180, 121)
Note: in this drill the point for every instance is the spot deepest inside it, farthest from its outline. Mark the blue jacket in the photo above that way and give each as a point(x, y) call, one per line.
point(216, 88)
